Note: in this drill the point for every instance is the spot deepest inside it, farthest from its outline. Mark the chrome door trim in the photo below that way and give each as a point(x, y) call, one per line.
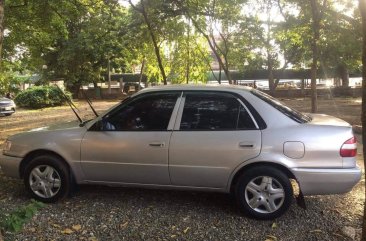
point(179, 114)
point(173, 117)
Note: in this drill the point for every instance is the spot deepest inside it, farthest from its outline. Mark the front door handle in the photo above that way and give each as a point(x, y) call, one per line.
point(245, 144)
point(157, 144)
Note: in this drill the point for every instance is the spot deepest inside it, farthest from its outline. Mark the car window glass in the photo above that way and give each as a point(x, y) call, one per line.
point(286, 110)
point(147, 113)
point(214, 112)
point(245, 121)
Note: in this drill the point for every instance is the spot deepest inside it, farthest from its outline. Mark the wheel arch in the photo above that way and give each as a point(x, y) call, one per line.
point(29, 156)
point(278, 166)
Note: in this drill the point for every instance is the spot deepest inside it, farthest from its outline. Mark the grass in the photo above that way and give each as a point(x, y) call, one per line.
point(14, 221)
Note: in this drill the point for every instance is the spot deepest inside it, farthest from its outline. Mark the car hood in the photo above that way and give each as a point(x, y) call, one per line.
point(63, 127)
point(58, 126)
point(322, 119)
point(3, 99)
point(57, 138)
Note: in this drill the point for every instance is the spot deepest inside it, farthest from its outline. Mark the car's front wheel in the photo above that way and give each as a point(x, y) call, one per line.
point(47, 178)
point(263, 192)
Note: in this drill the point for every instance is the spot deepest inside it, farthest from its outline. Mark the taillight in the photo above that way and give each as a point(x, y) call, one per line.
point(349, 148)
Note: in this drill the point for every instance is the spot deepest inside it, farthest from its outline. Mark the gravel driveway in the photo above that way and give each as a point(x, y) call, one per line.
point(107, 213)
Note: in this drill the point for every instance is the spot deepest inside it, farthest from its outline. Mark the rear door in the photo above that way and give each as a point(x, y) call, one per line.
point(213, 134)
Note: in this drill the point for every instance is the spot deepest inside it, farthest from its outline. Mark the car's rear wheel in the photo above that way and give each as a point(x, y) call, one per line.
point(263, 192)
point(47, 178)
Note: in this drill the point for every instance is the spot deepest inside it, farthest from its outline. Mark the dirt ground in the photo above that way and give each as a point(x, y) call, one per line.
point(134, 214)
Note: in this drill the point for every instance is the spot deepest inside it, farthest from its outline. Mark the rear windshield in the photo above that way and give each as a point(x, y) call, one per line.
point(293, 114)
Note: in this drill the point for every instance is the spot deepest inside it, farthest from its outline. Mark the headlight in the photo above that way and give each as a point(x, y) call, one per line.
point(7, 146)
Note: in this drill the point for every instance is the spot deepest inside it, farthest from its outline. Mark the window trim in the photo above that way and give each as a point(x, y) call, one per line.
point(238, 97)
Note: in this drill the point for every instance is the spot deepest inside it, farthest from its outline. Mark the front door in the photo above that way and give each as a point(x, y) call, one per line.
point(132, 145)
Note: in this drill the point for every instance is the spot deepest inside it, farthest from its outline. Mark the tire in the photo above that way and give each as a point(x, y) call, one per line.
point(47, 178)
point(263, 192)
point(8, 114)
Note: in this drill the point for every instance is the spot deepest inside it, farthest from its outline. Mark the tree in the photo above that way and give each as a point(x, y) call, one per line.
point(362, 7)
point(2, 4)
point(144, 8)
point(215, 20)
point(73, 39)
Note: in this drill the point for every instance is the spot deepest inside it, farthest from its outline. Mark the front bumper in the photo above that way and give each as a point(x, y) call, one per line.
point(7, 110)
point(315, 181)
point(10, 165)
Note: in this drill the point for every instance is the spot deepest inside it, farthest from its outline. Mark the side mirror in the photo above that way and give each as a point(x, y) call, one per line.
point(97, 126)
point(102, 125)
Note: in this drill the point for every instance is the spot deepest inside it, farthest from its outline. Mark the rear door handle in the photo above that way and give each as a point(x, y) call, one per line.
point(245, 144)
point(157, 144)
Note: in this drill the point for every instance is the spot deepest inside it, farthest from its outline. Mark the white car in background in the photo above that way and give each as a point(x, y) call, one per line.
point(7, 106)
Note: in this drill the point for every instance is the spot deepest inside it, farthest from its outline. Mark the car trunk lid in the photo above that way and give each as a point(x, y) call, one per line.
point(322, 119)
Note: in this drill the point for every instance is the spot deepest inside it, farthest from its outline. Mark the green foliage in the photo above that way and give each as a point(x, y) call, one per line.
point(75, 39)
point(15, 221)
point(40, 97)
point(9, 80)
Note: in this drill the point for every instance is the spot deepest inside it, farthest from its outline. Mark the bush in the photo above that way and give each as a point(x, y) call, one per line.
point(40, 97)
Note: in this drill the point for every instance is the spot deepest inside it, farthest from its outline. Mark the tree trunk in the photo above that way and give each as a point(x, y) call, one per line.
point(271, 83)
point(141, 73)
point(314, 48)
point(220, 74)
point(212, 44)
point(155, 43)
point(343, 74)
point(362, 6)
point(2, 4)
point(188, 52)
point(74, 89)
point(270, 75)
point(109, 77)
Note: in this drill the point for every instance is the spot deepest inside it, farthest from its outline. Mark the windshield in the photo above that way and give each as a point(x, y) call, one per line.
point(292, 113)
point(114, 106)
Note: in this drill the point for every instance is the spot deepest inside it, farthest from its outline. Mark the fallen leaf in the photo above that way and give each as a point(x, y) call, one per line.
point(173, 236)
point(271, 237)
point(186, 230)
point(336, 234)
point(67, 231)
point(56, 225)
point(123, 225)
point(274, 225)
point(92, 239)
point(76, 227)
point(316, 231)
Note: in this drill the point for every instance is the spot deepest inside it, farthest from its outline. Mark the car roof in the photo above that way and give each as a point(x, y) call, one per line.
point(183, 87)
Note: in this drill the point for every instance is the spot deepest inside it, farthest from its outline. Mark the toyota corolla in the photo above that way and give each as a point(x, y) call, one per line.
point(224, 139)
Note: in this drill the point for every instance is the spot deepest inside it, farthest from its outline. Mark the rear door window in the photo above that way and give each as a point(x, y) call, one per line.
point(214, 111)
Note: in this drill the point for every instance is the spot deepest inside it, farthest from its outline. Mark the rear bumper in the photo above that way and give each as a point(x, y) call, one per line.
point(10, 165)
point(326, 181)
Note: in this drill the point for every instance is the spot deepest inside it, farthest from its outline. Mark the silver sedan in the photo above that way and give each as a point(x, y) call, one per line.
point(224, 139)
point(7, 106)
